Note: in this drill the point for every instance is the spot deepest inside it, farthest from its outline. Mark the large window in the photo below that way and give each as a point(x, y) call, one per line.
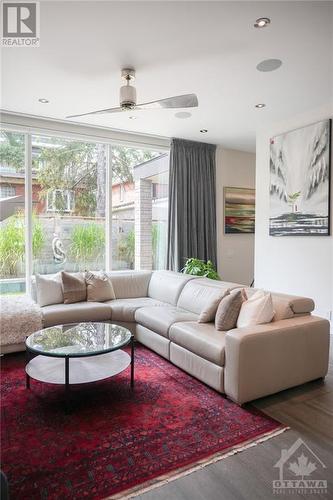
point(12, 212)
point(68, 190)
point(75, 219)
point(139, 208)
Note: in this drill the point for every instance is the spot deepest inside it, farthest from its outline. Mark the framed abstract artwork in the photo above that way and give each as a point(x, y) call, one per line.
point(239, 210)
point(300, 170)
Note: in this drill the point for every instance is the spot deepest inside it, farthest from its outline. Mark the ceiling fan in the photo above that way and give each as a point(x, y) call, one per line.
point(128, 99)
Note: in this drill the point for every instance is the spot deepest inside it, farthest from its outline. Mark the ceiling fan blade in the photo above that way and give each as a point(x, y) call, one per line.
point(100, 111)
point(178, 101)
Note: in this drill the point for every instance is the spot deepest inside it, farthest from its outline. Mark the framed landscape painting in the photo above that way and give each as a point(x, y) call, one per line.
point(239, 210)
point(300, 170)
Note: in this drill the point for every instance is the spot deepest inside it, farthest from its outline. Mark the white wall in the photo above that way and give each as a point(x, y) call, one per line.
point(298, 265)
point(235, 252)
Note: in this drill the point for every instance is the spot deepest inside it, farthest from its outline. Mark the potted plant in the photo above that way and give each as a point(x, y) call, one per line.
point(199, 267)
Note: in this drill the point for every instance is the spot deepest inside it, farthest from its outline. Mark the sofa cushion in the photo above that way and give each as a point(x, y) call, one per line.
point(286, 306)
point(212, 301)
point(99, 287)
point(59, 314)
point(74, 287)
point(124, 309)
point(257, 310)
point(49, 289)
point(201, 339)
point(284, 302)
point(159, 320)
point(228, 310)
point(203, 296)
point(130, 284)
point(167, 286)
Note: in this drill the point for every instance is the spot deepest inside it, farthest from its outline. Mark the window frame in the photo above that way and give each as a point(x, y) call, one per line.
point(8, 187)
point(70, 200)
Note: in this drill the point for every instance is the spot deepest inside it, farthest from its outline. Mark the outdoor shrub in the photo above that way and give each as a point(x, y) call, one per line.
point(87, 243)
point(12, 243)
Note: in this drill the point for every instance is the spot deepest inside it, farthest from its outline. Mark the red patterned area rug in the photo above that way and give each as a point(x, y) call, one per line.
point(116, 440)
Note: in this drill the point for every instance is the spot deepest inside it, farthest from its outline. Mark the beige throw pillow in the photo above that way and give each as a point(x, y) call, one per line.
point(74, 287)
point(228, 310)
point(257, 310)
point(211, 296)
point(99, 287)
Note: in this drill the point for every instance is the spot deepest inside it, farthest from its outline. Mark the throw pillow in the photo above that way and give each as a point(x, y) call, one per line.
point(228, 310)
point(49, 289)
point(211, 297)
point(257, 310)
point(74, 287)
point(99, 287)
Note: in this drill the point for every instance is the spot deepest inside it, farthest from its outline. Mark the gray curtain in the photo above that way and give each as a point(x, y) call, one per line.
point(192, 203)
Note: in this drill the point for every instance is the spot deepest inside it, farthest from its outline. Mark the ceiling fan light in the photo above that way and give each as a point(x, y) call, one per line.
point(127, 96)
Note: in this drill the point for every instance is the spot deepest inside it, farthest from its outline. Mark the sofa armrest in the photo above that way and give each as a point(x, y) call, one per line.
point(264, 359)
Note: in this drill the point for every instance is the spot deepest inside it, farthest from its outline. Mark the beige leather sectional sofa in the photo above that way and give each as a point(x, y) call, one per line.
point(162, 309)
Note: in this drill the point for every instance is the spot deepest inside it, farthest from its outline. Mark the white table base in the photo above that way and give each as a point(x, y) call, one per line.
point(81, 370)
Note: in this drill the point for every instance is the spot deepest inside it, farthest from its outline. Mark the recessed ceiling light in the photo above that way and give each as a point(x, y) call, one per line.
point(132, 117)
point(183, 114)
point(259, 106)
point(269, 65)
point(262, 22)
point(204, 131)
point(43, 101)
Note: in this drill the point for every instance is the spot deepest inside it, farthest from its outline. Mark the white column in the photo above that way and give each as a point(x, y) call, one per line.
point(143, 224)
point(108, 210)
point(28, 213)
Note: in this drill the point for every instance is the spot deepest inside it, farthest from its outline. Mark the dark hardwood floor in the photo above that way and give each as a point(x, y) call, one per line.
point(307, 410)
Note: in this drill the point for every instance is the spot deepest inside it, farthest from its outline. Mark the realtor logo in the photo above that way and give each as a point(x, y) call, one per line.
point(20, 24)
point(297, 471)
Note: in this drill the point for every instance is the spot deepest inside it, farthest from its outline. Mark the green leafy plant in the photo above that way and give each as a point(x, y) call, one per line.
point(87, 244)
point(38, 238)
point(12, 243)
point(126, 248)
point(12, 150)
point(199, 267)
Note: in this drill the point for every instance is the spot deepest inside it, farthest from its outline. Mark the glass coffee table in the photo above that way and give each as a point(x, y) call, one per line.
point(78, 353)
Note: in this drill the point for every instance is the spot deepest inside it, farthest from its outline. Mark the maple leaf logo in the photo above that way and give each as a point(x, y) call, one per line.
point(303, 467)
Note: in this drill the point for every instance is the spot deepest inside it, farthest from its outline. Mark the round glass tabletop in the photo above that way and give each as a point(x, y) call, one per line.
point(77, 340)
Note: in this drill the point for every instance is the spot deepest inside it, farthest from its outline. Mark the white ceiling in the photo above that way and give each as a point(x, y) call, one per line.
point(209, 48)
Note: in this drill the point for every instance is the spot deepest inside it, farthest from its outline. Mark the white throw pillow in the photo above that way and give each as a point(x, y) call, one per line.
point(49, 289)
point(257, 310)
